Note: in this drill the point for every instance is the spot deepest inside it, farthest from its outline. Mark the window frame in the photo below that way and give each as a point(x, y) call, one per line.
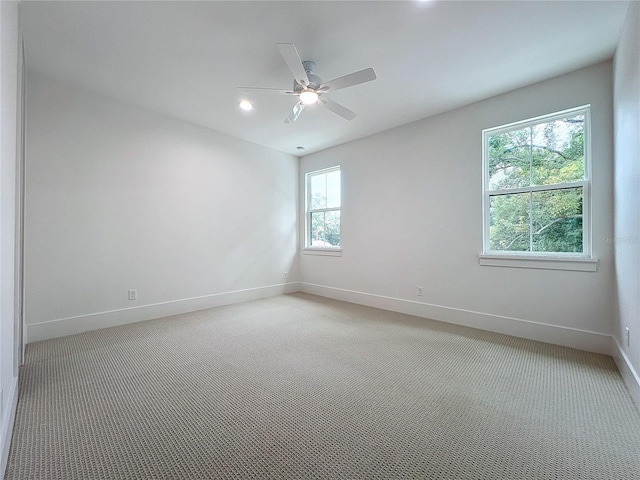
point(308, 248)
point(530, 259)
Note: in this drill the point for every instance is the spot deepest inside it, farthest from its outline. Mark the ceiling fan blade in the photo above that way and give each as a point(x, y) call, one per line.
point(290, 55)
point(295, 113)
point(349, 80)
point(275, 91)
point(343, 111)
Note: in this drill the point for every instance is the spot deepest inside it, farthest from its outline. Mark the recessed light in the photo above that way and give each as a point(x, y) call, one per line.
point(300, 148)
point(246, 105)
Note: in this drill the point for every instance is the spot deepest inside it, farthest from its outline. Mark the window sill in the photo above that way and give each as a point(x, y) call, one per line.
point(327, 252)
point(578, 264)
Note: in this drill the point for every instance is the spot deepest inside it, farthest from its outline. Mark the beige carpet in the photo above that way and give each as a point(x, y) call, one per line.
point(300, 387)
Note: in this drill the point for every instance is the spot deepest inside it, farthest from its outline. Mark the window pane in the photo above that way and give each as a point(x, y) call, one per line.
point(333, 189)
point(557, 220)
point(509, 222)
point(325, 229)
point(510, 159)
point(558, 151)
point(545, 154)
point(317, 229)
point(332, 228)
point(318, 197)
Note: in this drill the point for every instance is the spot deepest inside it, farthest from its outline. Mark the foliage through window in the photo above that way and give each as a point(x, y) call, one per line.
point(536, 186)
point(323, 208)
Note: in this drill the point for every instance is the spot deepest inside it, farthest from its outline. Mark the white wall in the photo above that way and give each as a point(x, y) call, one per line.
point(412, 216)
point(119, 198)
point(9, 55)
point(627, 198)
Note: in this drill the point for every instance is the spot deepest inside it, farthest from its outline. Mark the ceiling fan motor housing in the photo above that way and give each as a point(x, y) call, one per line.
point(314, 80)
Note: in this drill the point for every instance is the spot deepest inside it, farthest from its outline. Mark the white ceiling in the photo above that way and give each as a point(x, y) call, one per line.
point(187, 58)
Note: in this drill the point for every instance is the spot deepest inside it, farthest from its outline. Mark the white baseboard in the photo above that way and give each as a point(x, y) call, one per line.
point(8, 419)
point(83, 323)
point(629, 375)
point(557, 335)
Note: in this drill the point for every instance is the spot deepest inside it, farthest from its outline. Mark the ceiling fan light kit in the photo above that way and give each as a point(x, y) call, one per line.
point(308, 97)
point(309, 87)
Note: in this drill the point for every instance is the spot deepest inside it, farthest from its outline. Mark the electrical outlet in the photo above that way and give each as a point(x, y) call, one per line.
point(285, 276)
point(133, 294)
point(626, 335)
point(420, 292)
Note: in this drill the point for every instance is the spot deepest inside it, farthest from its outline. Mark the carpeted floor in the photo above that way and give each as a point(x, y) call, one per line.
point(301, 387)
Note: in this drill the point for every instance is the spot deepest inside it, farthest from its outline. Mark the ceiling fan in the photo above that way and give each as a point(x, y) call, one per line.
point(309, 88)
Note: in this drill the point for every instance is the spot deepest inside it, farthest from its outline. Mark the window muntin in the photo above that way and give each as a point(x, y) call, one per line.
point(323, 208)
point(536, 186)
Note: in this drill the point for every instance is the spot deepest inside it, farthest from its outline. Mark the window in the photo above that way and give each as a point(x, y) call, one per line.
point(536, 187)
point(323, 209)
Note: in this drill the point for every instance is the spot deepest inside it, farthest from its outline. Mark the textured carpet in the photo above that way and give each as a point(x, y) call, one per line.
point(300, 387)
